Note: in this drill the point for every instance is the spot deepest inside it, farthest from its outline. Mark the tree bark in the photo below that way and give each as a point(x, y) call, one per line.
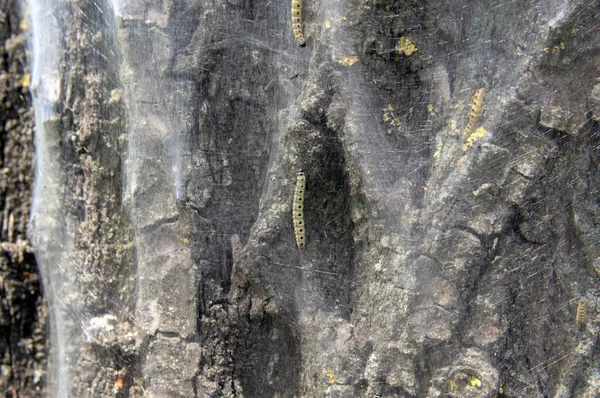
point(440, 260)
point(22, 309)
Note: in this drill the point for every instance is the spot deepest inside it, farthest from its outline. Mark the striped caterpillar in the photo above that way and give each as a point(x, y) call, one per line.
point(298, 209)
point(581, 316)
point(297, 22)
point(476, 111)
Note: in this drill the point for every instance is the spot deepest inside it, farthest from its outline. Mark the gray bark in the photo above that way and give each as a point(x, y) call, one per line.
point(439, 261)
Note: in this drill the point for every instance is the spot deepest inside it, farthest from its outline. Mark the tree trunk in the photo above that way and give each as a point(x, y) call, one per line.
point(451, 155)
point(22, 310)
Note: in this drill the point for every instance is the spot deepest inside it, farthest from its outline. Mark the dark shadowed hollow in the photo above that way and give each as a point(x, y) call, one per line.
point(451, 216)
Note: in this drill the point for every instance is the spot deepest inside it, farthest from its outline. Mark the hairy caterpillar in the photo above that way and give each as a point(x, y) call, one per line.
point(298, 209)
point(476, 111)
point(297, 22)
point(581, 317)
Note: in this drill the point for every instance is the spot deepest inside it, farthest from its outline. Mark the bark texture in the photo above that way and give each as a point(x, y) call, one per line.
point(22, 309)
point(440, 260)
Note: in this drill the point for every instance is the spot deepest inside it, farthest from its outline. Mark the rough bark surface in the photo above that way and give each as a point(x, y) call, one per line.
point(440, 260)
point(22, 309)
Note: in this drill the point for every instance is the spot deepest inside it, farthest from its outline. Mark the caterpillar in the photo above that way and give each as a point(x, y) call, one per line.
point(581, 316)
point(297, 22)
point(476, 106)
point(298, 209)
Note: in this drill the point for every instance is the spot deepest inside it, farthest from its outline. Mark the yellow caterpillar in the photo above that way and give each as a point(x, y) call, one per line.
point(581, 316)
point(476, 111)
point(298, 209)
point(297, 22)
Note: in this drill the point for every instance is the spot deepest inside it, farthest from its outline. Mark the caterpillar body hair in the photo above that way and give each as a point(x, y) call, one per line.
point(581, 316)
point(298, 210)
point(297, 22)
point(476, 106)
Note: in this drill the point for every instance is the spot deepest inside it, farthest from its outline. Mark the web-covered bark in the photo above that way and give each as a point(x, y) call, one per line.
point(440, 260)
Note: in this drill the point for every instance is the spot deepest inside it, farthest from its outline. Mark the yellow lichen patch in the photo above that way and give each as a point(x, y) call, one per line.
point(331, 376)
point(26, 80)
point(474, 137)
point(559, 47)
point(24, 24)
point(348, 61)
point(390, 118)
point(453, 126)
point(431, 109)
point(406, 46)
point(477, 135)
point(474, 381)
point(328, 24)
point(452, 385)
point(438, 149)
point(389, 108)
